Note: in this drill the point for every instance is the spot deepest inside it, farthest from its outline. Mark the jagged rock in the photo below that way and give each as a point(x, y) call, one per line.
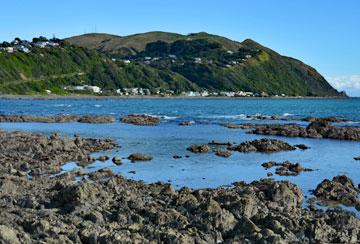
point(93, 119)
point(318, 128)
point(141, 119)
point(262, 145)
point(8, 235)
point(198, 148)
point(340, 189)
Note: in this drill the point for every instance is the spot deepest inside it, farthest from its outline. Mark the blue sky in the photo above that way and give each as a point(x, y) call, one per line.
point(322, 33)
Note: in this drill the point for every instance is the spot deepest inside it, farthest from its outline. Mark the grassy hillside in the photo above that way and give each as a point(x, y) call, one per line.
point(159, 60)
point(53, 69)
point(133, 44)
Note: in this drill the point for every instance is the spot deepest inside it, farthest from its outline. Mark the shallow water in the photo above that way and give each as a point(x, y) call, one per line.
point(327, 157)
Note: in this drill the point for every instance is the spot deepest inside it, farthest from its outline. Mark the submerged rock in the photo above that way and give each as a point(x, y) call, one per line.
point(262, 145)
point(140, 119)
point(198, 148)
point(223, 153)
point(186, 123)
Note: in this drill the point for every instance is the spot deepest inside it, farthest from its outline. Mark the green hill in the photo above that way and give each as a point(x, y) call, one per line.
point(159, 60)
point(132, 44)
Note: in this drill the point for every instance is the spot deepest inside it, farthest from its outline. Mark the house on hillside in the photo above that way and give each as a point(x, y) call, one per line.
point(94, 89)
point(22, 48)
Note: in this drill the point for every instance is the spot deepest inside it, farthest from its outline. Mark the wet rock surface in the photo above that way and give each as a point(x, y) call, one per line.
point(195, 148)
point(186, 123)
point(340, 189)
point(262, 145)
point(140, 119)
point(100, 207)
point(285, 168)
point(139, 157)
point(107, 208)
point(22, 152)
point(319, 128)
point(58, 119)
point(223, 153)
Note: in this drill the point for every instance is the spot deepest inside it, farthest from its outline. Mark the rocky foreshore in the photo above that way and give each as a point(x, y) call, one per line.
point(92, 119)
point(317, 129)
point(35, 154)
point(101, 207)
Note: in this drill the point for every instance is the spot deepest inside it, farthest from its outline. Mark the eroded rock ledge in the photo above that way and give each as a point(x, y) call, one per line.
point(39, 154)
point(140, 119)
point(92, 119)
point(262, 145)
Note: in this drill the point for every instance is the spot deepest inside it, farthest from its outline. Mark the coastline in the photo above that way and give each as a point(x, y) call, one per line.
point(80, 97)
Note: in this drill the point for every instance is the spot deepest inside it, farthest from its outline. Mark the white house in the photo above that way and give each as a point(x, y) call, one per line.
point(9, 49)
point(22, 48)
point(197, 60)
point(94, 89)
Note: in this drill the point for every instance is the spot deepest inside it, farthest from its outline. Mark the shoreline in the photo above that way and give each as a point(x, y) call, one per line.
point(94, 97)
point(105, 207)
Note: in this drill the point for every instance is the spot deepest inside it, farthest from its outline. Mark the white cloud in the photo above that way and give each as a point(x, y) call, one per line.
point(348, 83)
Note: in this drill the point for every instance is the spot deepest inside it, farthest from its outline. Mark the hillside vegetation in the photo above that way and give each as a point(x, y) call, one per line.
point(159, 60)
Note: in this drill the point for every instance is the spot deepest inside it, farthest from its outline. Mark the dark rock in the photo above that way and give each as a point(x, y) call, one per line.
point(340, 189)
point(217, 143)
point(301, 146)
point(186, 123)
point(319, 128)
point(223, 153)
point(177, 156)
point(116, 160)
point(97, 119)
point(141, 119)
point(357, 158)
point(93, 119)
point(286, 168)
point(198, 148)
point(103, 158)
point(262, 145)
point(140, 157)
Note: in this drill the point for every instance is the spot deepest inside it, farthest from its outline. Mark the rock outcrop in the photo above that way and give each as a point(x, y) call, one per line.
point(139, 157)
point(195, 148)
point(91, 119)
point(262, 145)
point(340, 189)
point(316, 129)
point(140, 119)
point(39, 154)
